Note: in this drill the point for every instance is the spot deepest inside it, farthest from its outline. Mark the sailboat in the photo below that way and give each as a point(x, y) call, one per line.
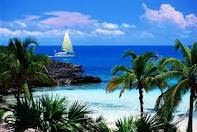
point(67, 49)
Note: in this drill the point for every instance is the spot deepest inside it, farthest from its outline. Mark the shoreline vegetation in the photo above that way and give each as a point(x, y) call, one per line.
point(21, 69)
point(55, 72)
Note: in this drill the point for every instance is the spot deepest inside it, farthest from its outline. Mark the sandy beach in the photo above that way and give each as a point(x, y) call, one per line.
point(183, 125)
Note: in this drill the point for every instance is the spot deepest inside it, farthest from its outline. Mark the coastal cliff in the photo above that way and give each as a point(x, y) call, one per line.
point(68, 73)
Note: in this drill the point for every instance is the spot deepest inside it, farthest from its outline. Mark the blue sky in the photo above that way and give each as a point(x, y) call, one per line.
point(100, 22)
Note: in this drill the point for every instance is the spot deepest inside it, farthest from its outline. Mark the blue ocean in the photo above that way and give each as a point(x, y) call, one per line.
point(99, 61)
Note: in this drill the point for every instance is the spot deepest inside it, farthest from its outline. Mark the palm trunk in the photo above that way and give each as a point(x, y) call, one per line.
point(141, 100)
point(190, 122)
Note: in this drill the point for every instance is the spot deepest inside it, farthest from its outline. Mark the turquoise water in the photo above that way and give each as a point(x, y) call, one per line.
point(107, 104)
point(98, 61)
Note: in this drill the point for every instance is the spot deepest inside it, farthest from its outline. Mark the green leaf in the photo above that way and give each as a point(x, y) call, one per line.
point(120, 69)
point(130, 53)
point(186, 52)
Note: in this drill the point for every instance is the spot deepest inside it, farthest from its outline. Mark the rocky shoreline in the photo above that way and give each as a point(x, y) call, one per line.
point(68, 73)
point(62, 74)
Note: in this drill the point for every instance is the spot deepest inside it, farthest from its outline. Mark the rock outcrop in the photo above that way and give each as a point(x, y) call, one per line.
point(68, 73)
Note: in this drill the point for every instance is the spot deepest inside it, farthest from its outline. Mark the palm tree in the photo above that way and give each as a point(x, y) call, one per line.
point(22, 65)
point(137, 76)
point(186, 72)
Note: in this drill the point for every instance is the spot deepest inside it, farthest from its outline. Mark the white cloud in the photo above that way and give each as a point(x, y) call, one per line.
point(109, 32)
point(31, 17)
point(7, 32)
point(110, 25)
point(23, 33)
point(125, 25)
point(168, 13)
point(64, 18)
point(52, 24)
point(22, 24)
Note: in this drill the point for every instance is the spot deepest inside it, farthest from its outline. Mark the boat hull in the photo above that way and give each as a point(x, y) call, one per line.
point(63, 55)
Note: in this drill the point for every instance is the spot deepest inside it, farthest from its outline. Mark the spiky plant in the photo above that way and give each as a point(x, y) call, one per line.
point(126, 125)
point(143, 123)
point(54, 112)
point(77, 118)
point(27, 113)
point(148, 123)
point(185, 70)
point(98, 125)
point(134, 77)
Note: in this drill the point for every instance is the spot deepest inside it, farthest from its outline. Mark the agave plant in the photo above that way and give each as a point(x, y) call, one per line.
point(98, 125)
point(148, 123)
point(27, 113)
point(144, 123)
point(126, 125)
point(53, 114)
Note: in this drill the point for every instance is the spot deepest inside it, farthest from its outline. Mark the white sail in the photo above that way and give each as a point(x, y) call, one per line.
point(67, 45)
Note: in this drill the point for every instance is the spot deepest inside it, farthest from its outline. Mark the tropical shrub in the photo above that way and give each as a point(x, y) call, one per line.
point(27, 113)
point(55, 114)
point(126, 125)
point(144, 123)
point(100, 125)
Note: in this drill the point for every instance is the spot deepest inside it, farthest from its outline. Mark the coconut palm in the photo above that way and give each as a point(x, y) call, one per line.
point(135, 77)
point(185, 71)
point(22, 65)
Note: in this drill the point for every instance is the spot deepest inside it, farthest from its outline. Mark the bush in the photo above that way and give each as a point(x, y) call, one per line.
point(55, 114)
point(126, 125)
point(144, 123)
point(27, 114)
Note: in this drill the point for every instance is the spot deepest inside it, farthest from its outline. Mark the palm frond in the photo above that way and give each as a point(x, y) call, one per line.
point(28, 41)
point(167, 103)
point(148, 123)
point(129, 83)
point(130, 53)
point(149, 55)
point(169, 75)
point(194, 53)
point(184, 50)
point(120, 69)
point(177, 64)
point(126, 125)
point(181, 85)
point(5, 76)
point(78, 112)
point(114, 83)
point(43, 77)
